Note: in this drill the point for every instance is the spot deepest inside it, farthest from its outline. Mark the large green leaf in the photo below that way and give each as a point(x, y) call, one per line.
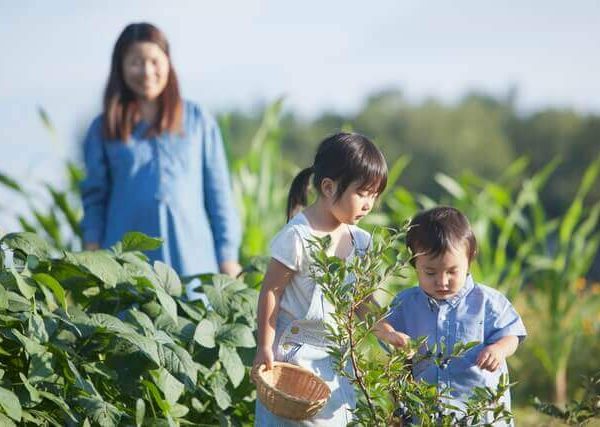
point(31, 346)
point(100, 411)
point(17, 303)
point(111, 323)
point(26, 285)
point(168, 384)
point(10, 403)
point(232, 363)
point(40, 368)
point(80, 382)
point(146, 345)
point(136, 241)
point(218, 385)
point(37, 328)
point(143, 321)
point(220, 292)
point(205, 333)
point(180, 364)
point(100, 264)
point(168, 278)
point(162, 403)
point(34, 395)
point(50, 282)
point(29, 243)
point(167, 303)
point(235, 335)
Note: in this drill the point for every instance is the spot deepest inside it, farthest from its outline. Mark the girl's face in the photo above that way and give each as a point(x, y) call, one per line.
point(353, 205)
point(146, 70)
point(444, 276)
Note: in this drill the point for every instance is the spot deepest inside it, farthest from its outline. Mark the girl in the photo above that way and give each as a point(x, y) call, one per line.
point(156, 164)
point(348, 173)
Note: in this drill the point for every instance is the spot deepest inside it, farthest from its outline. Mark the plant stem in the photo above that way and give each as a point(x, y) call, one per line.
point(357, 373)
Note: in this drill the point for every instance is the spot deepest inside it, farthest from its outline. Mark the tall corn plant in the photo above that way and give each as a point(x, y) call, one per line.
point(520, 245)
point(559, 266)
point(58, 219)
point(497, 210)
point(260, 182)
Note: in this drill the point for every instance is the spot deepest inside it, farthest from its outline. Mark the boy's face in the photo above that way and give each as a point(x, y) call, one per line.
point(444, 276)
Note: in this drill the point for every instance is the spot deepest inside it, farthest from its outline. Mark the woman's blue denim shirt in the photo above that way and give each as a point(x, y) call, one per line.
point(173, 186)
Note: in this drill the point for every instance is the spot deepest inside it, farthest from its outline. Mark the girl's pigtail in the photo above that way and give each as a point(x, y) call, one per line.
point(298, 194)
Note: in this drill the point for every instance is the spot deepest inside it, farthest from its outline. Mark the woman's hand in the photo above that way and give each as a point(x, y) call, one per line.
point(231, 268)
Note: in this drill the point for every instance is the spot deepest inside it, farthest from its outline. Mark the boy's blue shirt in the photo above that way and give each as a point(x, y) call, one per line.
point(476, 313)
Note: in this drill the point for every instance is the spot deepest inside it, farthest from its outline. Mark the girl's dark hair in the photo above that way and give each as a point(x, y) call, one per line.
point(120, 104)
point(343, 158)
point(435, 231)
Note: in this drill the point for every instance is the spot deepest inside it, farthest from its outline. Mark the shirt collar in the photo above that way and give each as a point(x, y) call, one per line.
point(453, 302)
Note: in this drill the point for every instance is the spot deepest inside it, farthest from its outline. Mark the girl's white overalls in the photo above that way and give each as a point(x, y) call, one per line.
point(303, 343)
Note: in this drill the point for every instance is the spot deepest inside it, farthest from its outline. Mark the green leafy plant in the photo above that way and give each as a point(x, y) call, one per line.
point(388, 393)
point(105, 338)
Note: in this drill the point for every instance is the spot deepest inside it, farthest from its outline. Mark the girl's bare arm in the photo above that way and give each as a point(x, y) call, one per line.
point(276, 279)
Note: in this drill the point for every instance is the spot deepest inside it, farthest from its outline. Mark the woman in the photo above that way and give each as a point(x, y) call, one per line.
point(156, 164)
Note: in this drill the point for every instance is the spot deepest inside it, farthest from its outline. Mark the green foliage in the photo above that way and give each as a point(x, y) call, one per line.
point(520, 248)
point(388, 393)
point(104, 338)
point(577, 412)
point(558, 267)
point(260, 180)
point(536, 243)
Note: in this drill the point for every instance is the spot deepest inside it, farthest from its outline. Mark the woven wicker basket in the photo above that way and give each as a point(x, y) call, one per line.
point(290, 391)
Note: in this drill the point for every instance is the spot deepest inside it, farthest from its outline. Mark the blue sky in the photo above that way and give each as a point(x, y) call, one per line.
point(322, 55)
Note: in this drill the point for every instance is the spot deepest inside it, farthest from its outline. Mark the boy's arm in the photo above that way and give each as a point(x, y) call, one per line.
point(386, 332)
point(276, 279)
point(383, 329)
point(492, 356)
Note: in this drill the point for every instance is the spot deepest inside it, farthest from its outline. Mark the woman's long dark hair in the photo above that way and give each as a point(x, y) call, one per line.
point(120, 104)
point(344, 158)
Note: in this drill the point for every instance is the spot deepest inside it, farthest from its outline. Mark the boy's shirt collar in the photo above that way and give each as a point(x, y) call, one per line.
point(453, 302)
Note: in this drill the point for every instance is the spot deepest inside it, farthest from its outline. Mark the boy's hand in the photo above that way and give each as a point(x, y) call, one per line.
point(395, 338)
point(490, 358)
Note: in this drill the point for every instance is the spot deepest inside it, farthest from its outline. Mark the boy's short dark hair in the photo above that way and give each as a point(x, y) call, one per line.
point(435, 231)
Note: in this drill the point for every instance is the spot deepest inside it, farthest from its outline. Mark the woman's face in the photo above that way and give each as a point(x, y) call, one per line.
point(146, 70)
